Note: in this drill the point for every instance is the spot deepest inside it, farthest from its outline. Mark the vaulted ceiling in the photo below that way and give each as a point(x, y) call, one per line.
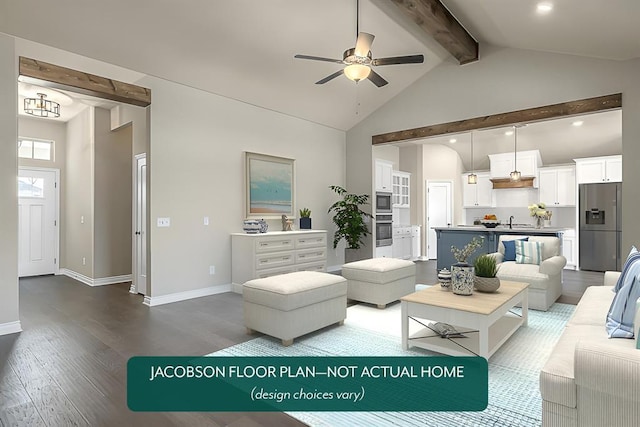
point(243, 49)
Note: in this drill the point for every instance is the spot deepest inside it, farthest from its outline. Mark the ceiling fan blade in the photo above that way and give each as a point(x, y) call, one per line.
point(377, 79)
point(363, 44)
point(318, 58)
point(328, 78)
point(410, 59)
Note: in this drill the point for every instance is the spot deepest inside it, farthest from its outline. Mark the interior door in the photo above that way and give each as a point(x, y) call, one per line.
point(140, 251)
point(38, 222)
point(439, 212)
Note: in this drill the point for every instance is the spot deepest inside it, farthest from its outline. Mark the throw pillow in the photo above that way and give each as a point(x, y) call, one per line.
point(510, 249)
point(633, 254)
point(623, 307)
point(528, 252)
point(636, 323)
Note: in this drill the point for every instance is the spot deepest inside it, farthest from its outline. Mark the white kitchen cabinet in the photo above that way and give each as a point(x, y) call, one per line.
point(384, 174)
point(599, 169)
point(527, 162)
point(402, 242)
point(569, 249)
point(480, 194)
point(255, 256)
point(557, 186)
point(401, 186)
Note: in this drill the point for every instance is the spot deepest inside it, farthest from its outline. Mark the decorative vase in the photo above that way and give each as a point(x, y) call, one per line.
point(251, 226)
point(462, 275)
point(444, 276)
point(539, 222)
point(305, 223)
point(264, 227)
point(486, 284)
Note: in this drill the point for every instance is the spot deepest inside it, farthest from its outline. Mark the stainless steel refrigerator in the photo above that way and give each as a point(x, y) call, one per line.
point(600, 226)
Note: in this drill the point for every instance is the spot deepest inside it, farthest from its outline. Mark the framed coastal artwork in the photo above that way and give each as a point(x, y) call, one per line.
point(270, 186)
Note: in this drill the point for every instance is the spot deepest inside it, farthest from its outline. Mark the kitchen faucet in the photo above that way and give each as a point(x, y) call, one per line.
point(511, 222)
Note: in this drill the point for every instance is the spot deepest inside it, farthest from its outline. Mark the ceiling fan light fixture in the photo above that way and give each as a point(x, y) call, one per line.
point(357, 72)
point(41, 107)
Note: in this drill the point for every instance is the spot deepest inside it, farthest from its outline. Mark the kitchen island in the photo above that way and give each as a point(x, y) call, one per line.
point(461, 235)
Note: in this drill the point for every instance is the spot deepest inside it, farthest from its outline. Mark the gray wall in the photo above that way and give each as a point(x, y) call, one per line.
point(112, 207)
point(8, 187)
point(197, 170)
point(507, 80)
point(79, 194)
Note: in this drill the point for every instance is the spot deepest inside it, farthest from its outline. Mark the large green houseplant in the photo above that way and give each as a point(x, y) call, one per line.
point(349, 219)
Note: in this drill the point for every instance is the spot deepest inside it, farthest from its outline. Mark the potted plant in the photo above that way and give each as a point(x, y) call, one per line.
point(462, 276)
point(349, 220)
point(486, 268)
point(305, 219)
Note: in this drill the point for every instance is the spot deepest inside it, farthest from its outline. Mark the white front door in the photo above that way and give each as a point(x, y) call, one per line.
point(140, 251)
point(38, 222)
point(439, 212)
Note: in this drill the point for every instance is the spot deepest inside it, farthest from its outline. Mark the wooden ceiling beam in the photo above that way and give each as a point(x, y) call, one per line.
point(564, 109)
point(436, 20)
point(53, 76)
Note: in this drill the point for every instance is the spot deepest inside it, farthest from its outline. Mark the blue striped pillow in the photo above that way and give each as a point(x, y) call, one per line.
point(528, 252)
point(633, 254)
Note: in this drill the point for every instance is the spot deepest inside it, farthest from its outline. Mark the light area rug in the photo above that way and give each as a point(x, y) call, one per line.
point(514, 397)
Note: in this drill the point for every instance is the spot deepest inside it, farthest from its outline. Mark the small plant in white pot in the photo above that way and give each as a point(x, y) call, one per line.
point(485, 274)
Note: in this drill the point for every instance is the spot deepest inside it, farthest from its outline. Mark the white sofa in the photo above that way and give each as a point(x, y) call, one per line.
point(590, 379)
point(545, 280)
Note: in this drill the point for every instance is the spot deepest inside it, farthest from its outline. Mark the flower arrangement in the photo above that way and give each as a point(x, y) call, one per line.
point(461, 255)
point(539, 210)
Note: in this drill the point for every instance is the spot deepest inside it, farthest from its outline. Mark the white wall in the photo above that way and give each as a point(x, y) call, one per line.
point(9, 321)
point(197, 170)
point(507, 80)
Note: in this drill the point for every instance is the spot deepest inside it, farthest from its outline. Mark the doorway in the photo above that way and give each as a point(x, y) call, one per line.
point(439, 209)
point(38, 221)
point(139, 284)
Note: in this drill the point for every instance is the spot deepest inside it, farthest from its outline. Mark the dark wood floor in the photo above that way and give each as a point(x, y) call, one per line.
point(68, 366)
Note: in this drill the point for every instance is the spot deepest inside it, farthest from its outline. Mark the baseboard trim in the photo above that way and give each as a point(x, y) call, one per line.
point(183, 296)
point(10, 328)
point(237, 288)
point(334, 268)
point(101, 281)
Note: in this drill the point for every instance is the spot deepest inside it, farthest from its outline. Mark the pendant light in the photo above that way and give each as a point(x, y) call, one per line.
point(41, 107)
point(472, 178)
point(515, 175)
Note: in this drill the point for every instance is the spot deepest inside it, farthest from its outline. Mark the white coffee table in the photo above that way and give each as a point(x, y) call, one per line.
point(485, 319)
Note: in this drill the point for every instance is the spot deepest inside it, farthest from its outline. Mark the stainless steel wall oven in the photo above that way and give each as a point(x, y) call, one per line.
point(384, 230)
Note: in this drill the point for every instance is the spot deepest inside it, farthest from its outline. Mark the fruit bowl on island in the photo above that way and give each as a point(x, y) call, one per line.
point(490, 221)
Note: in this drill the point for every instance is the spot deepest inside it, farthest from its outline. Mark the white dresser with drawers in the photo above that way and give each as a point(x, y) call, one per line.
point(255, 256)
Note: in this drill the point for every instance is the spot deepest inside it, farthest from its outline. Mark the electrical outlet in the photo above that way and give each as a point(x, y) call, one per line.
point(84, 261)
point(212, 270)
point(164, 222)
point(206, 220)
point(82, 219)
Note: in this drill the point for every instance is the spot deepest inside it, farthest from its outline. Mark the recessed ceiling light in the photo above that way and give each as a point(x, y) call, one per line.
point(453, 140)
point(509, 133)
point(577, 123)
point(544, 7)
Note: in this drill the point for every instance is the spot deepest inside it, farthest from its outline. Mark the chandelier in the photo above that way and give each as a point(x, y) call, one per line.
point(41, 107)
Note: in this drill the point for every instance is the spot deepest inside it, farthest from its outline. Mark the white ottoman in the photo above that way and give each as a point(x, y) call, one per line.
point(290, 305)
point(379, 281)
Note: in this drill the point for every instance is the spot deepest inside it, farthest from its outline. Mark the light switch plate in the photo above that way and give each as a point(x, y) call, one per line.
point(164, 222)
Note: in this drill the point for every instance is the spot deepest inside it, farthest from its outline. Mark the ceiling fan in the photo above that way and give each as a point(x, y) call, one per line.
point(358, 60)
